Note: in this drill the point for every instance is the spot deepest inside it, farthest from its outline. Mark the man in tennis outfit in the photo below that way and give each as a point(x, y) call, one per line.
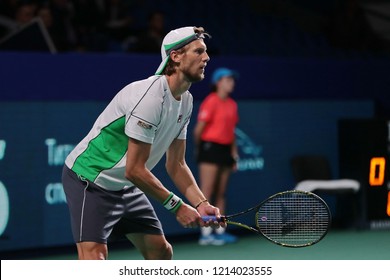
point(107, 177)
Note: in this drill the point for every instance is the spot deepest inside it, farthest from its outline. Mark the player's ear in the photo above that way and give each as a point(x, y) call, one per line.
point(175, 56)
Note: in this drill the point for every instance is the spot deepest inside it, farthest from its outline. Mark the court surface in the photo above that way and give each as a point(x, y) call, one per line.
point(336, 245)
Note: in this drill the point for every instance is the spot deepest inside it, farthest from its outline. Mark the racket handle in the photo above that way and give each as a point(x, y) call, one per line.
point(212, 218)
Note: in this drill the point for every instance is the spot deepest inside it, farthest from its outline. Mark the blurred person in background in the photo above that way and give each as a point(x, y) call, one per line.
point(88, 21)
point(119, 24)
point(150, 39)
point(216, 149)
point(14, 15)
point(58, 36)
point(62, 26)
point(25, 13)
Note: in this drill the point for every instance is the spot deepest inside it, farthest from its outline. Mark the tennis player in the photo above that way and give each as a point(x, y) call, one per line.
point(107, 177)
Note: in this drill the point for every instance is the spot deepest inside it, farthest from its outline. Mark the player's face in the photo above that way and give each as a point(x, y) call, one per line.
point(194, 61)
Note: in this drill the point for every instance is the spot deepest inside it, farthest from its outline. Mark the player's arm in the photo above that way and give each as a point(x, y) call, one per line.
point(137, 172)
point(184, 180)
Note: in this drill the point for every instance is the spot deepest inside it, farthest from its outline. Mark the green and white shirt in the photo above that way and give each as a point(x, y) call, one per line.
point(144, 110)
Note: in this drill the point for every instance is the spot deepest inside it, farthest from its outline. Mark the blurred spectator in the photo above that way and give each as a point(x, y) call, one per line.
point(62, 29)
point(15, 15)
point(24, 13)
point(45, 14)
point(89, 25)
point(149, 40)
point(118, 20)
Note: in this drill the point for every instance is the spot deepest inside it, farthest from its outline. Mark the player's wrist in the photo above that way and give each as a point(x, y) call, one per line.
point(203, 202)
point(172, 203)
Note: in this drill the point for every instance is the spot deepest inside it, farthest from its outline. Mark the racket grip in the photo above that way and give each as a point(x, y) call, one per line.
point(212, 218)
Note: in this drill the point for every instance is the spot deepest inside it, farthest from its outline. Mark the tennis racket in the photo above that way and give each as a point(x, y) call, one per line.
point(291, 218)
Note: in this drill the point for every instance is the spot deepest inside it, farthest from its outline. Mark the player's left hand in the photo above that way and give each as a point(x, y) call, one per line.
point(205, 209)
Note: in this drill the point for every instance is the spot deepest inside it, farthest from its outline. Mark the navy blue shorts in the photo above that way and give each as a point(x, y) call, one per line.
point(99, 215)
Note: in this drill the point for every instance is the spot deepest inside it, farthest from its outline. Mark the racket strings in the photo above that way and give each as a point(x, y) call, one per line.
point(294, 219)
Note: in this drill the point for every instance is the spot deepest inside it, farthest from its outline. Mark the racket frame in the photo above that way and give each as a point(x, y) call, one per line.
point(227, 218)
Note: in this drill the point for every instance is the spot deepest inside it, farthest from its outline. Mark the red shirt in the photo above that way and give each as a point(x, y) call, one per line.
point(221, 117)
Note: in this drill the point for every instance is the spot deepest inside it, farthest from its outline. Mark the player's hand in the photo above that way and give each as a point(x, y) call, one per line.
point(205, 209)
point(188, 217)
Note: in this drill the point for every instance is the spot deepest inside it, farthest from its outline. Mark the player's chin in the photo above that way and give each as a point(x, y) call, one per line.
point(200, 77)
point(197, 78)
